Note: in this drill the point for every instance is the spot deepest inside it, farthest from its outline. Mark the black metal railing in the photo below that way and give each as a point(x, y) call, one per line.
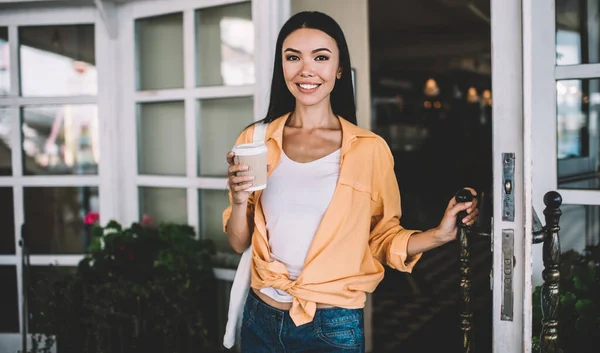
point(466, 314)
point(551, 273)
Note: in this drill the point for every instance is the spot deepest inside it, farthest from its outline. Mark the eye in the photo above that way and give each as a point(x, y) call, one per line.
point(292, 58)
point(322, 58)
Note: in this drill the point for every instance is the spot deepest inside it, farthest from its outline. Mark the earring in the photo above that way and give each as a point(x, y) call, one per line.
point(339, 75)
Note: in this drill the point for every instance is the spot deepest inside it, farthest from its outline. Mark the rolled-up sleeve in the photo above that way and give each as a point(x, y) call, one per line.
point(388, 239)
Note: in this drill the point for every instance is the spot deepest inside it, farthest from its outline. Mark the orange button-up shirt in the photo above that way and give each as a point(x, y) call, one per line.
point(359, 231)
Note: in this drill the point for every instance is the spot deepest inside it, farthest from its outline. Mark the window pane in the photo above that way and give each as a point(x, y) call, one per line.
point(60, 140)
point(6, 127)
point(54, 218)
point(577, 32)
point(225, 45)
point(212, 205)
point(220, 123)
point(65, 56)
point(42, 279)
point(159, 44)
point(579, 227)
point(7, 222)
point(9, 304)
point(163, 204)
point(161, 131)
point(578, 133)
point(4, 62)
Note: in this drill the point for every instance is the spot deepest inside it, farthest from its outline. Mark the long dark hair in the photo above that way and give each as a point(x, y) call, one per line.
point(342, 95)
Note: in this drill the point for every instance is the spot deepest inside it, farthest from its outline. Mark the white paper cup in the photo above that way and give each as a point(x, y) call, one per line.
point(254, 155)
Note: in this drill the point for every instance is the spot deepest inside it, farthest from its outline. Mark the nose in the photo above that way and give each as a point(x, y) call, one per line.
point(307, 70)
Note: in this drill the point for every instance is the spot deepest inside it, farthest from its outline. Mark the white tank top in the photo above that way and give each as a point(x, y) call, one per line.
point(294, 202)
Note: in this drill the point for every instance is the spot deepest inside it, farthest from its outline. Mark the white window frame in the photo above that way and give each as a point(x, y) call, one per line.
point(105, 65)
point(267, 16)
point(544, 74)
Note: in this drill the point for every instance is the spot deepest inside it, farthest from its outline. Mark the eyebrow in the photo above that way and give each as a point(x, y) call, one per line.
point(314, 51)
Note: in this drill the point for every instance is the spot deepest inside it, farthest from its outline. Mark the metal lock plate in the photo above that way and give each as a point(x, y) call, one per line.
point(506, 313)
point(508, 182)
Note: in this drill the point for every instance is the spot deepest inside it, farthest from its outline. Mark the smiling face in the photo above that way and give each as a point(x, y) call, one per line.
point(310, 65)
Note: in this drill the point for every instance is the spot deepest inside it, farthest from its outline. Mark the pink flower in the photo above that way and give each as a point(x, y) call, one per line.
point(146, 221)
point(91, 217)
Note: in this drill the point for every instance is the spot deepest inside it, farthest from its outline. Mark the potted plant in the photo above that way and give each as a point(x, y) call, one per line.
point(139, 289)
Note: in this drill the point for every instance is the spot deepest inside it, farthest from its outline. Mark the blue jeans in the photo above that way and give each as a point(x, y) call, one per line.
point(269, 330)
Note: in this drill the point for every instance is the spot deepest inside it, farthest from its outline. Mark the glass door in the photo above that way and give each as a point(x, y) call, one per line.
point(563, 64)
point(52, 175)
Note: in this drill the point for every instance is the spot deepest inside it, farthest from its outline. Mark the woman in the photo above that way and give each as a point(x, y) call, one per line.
point(330, 214)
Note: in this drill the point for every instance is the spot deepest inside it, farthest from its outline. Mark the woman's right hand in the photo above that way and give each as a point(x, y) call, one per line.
point(238, 184)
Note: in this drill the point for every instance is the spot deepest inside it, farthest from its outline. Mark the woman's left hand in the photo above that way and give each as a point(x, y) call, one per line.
point(447, 229)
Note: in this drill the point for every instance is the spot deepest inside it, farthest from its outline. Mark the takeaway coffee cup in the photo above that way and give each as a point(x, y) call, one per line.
point(254, 155)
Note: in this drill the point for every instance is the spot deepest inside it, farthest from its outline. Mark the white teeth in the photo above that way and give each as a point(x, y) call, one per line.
point(304, 86)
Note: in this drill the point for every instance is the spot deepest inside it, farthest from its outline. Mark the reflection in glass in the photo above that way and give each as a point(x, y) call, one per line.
point(225, 45)
point(64, 56)
point(577, 32)
point(578, 133)
point(60, 139)
point(5, 141)
point(161, 138)
point(7, 222)
point(220, 123)
point(579, 227)
point(212, 204)
point(9, 304)
point(54, 218)
point(159, 54)
point(4, 62)
point(158, 205)
point(42, 280)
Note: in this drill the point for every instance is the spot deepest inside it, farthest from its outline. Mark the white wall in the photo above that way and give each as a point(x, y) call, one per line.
point(353, 17)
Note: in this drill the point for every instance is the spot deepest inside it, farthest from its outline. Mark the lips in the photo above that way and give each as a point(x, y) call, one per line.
point(308, 87)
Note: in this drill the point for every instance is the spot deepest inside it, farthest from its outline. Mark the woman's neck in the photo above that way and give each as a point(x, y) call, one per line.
point(313, 117)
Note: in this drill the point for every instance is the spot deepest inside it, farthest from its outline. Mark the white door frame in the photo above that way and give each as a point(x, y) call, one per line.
point(509, 129)
point(13, 19)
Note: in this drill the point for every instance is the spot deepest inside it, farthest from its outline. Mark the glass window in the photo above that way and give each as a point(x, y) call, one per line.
point(579, 227)
point(4, 62)
point(163, 205)
point(5, 141)
point(212, 205)
point(64, 56)
point(220, 122)
point(161, 142)
point(225, 45)
point(7, 222)
point(159, 51)
point(9, 303)
point(60, 139)
point(578, 133)
point(577, 32)
point(54, 218)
